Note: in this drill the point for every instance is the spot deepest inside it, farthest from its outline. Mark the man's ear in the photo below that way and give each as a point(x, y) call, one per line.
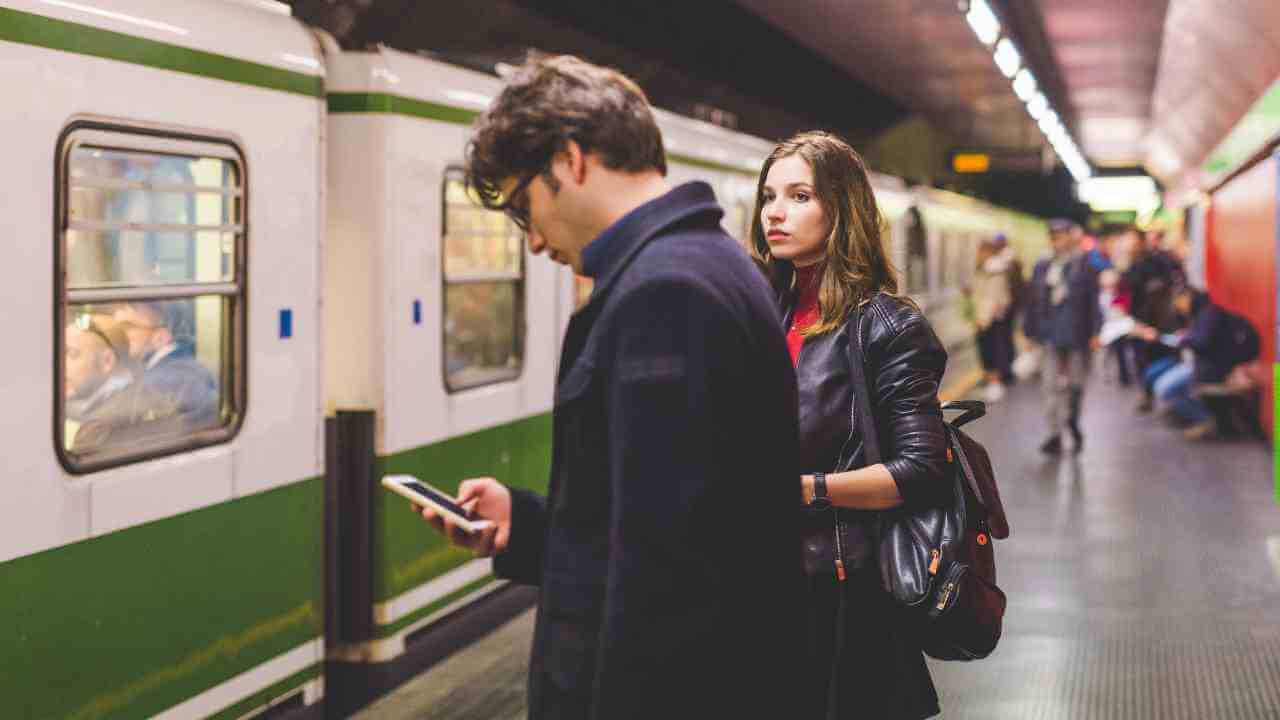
point(572, 161)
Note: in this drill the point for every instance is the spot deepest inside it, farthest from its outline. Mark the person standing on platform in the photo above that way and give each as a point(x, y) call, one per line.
point(817, 234)
point(1064, 318)
point(1017, 297)
point(668, 551)
point(992, 304)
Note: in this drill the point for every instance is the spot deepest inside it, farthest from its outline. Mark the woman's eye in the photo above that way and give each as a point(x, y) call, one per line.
point(802, 197)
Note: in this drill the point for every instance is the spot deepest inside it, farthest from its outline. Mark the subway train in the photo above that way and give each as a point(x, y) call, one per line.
point(214, 191)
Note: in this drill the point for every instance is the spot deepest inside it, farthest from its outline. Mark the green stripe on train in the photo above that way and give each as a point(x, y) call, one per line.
point(30, 29)
point(352, 102)
point(349, 102)
point(134, 622)
point(407, 551)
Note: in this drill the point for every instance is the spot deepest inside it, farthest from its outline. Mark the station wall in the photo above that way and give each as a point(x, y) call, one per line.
point(1240, 263)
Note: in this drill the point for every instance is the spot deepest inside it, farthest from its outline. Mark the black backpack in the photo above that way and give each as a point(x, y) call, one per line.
point(967, 608)
point(1243, 343)
point(938, 563)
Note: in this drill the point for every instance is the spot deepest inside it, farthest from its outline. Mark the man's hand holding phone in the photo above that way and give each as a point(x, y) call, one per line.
point(483, 499)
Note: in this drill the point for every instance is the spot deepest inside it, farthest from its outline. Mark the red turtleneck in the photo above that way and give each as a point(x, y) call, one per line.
point(806, 313)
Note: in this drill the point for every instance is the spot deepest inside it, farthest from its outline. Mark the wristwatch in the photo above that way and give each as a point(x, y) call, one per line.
point(821, 501)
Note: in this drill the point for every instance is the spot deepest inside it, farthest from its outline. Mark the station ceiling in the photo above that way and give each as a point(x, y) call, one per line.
point(1153, 83)
point(1138, 83)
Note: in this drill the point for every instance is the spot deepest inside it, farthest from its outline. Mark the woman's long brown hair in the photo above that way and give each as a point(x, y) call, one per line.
point(856, 263)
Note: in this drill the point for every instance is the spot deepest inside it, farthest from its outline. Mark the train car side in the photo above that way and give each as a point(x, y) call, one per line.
point(187, 584)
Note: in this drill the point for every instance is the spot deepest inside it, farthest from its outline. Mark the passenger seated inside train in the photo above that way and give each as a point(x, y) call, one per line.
point(105, 406)
point(1218, 340)
point(160, 345)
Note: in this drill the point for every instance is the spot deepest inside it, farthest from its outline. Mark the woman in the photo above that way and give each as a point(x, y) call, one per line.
point(992, 300)
point(816, 235)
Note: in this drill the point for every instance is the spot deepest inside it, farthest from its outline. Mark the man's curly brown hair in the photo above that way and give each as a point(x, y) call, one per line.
point(553, 99)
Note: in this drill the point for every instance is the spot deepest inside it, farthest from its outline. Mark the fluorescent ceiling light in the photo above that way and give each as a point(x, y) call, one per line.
point(1126, 192)
point(1024, 84)
point(1007, 57)
point(983, 21)
point(1038, 106)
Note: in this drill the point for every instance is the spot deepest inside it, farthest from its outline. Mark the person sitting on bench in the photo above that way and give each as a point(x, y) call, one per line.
point(1219, 340)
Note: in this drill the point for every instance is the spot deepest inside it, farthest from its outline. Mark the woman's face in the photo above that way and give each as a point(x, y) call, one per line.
point(795, 224)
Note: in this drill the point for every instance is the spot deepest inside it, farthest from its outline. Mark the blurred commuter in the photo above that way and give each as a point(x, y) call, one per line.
point(104, 405)
point(1063, 317)
point(1153, 277)
point(1114, 303)
point(668, 550)
point(1017, 297)
point(168, 364)
point(992, 315)
point(817, 234)
point(1219, 341)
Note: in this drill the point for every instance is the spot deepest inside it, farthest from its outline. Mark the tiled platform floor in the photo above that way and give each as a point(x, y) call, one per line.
point(1140, 577)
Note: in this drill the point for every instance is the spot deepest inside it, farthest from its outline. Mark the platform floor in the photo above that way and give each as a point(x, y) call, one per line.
point(1143, 579)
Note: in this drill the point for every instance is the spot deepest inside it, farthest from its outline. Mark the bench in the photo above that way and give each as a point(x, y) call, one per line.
point(1235, 402)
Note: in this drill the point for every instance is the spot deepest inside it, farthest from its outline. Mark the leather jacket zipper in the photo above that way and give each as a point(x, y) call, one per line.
point(840, 576)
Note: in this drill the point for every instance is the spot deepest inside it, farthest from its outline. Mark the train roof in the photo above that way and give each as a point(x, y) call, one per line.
point(260, 32)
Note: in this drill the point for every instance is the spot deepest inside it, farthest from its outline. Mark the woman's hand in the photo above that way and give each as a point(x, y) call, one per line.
point(806, 489)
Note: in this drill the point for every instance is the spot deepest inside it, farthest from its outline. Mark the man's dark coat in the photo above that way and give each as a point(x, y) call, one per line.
point(1071, 324)
point(668, 550)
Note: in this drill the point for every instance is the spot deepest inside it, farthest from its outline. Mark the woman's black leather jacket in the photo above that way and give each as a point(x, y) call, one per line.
point(904, 362)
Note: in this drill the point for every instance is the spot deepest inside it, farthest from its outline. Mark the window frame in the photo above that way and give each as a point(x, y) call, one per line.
point(452, 172)
point(139, 137)
point(916, 231)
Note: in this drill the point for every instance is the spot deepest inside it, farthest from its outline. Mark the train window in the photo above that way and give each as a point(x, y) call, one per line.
point(151, 294)
point(737, 222)
point(917, 266)
point(483, 291)
point(946, 249)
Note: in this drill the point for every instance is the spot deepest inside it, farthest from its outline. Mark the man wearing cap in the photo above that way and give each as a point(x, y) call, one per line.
point(1064, 317)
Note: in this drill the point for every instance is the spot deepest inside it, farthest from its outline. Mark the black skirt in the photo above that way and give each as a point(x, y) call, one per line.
point(882, 673)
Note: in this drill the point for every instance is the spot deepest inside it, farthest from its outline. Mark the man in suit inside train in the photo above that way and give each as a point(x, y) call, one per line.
point(166, 360)
point(668, 551)
point(105, 406)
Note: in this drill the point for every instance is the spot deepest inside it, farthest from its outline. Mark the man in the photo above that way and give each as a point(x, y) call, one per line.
point(167, 365)
point(1064, 317)
point(104, 406)
point(668, 551)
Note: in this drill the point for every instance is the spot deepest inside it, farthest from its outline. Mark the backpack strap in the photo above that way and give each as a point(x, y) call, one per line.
point(970, 410)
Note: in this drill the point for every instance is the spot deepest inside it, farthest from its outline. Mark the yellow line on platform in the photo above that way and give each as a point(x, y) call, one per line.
point(958, 388)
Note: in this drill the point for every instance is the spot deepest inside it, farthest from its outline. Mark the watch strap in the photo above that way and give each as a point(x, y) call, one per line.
point(821, 501)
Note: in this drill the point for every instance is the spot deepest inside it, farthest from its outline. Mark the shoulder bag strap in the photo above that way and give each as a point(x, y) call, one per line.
point(862, 416)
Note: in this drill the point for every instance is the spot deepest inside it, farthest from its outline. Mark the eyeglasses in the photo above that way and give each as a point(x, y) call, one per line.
point(516, 206)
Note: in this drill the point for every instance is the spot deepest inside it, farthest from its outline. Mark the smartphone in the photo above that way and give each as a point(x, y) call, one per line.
point(421, 493)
